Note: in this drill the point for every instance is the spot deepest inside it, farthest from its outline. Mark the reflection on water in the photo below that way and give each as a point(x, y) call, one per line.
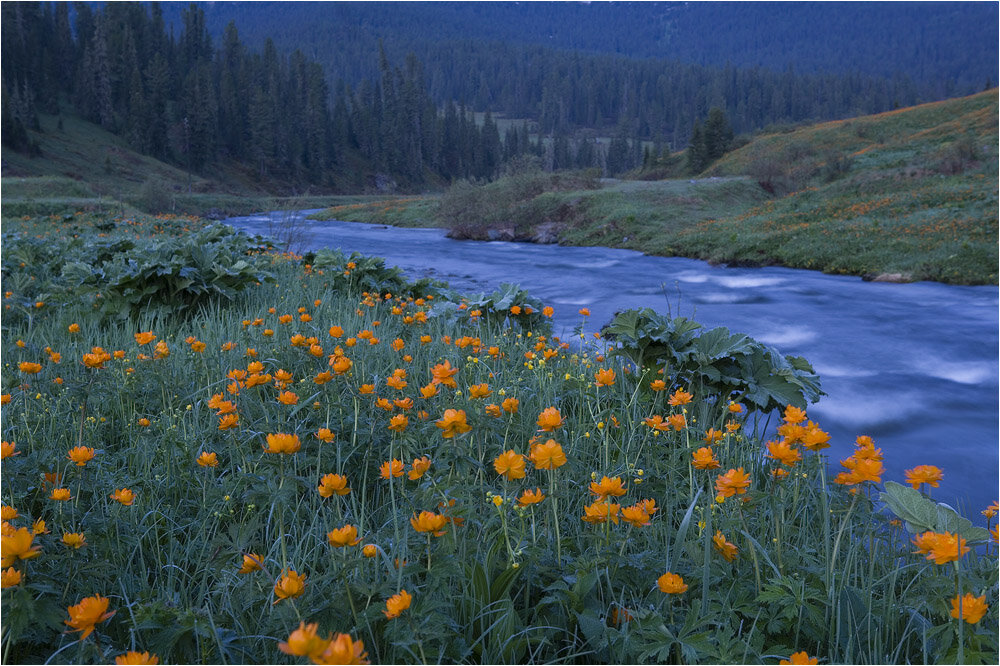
point(912, 365)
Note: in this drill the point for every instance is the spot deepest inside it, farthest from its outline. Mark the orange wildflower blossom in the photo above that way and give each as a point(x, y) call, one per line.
point(396, 604)
point(125, 497)
point(941, 548)
point(16, 545)
point(604, 377)
point(391, 468)
point(333, 484)
point(656, 422)
point(671, 583)
point(290, 585)
point(304, 642)
point(704, 458)
point(251, 562)
point(398, 423)
point(343, 536)
point(860, 471)
point(288, 398)
point(969, 608)
point(453, 423)
point(510, 465)
point(282, 443)
point(418, 468)
point(207, 459)
point(815, 439)
point(429, 522)
point(443, 373)
point(8, 449)
point(794, 415)
point(10, 577)
point(726, 548)
point(29, 368)
point(342, 649)
point(658, 385)
point(369, 550)
point(636, 515)
point(680, 397)
point(601, 511)
point(783, 452)
point(510, 405)
point(733, 482)
point(85, 615)
point(494, 410)
point(712, 436)
point(429, 391)
point(229, 421)
point(548, 455)
point(529, 497)
point(798, 658)
point(607, 487)
point(60, 495)
point(75, 540)
point(479, 391)
point(677, 421)
point(550, 419)
point(81, 455)
point(326, 435)
point(928, 474)
point(134, 657)
point(144, 338)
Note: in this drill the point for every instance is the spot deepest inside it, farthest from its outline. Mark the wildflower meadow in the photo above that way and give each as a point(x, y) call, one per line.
point(215, 452)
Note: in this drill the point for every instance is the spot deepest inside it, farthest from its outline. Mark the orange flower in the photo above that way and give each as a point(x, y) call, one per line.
point(712, 436)
point(604, 377)
point(529, 497)
point(728, 550)
point(479, 391)
point(162, 350)
point(9, 513)
point(326, 435)
point(601, 511)
point(548, 311)
point(207, 459)
point(342, 649)
point(336, 332)
point(391, 468)
point(288, 398)
point(304, 642)
point(88, 613)
point(550, 419)
point(366, 389)
point(989, 511)
point(860, 471)
point(794, 414)
point(585, 312)
point(733, 482)
point(60, 495)
point(290, 585)
point(494, 410)
point(29, 368)
point(510, 465)
point(74, 540)
point(9, 449)
point(947, 547)
point(18, 545)
point(928, 474)
point(783, 452)
point(81, 455)
point(343, 536)
point(395, 382)
point(10, 578)
point(74, 328)
point(398, 423)
point(341, 364)
point(251, 562)
point(369, 550)
point(322, 377)
point(282, 443)
point(510, 405)
point(798, 658)
point(636, 515)
point(429, 391)
point(419, 468)
point(704, 458)
point(429, 522)
point(548, 455)
point(144, 338)
point(124, 496)
point(607, 487)
point(453, 423)
point(658, 385)
point(133, 657)
point(333, 484)
point(228, 421)
point(38, 527)
point(972, 608)
point(677, 421)
point(443, 373)
point(396, 604)
point(815, 439)
point(680, 397)
point(671, 583)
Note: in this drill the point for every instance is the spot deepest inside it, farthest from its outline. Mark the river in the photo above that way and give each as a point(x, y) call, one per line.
point(915, 366)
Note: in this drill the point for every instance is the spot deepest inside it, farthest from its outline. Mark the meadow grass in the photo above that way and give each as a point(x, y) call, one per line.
point(774, 558)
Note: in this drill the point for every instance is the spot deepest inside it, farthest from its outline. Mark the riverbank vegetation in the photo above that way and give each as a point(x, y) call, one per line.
point(214, 452)
point(905, 195)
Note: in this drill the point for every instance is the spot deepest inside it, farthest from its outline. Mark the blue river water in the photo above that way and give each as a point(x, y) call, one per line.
point(914, 366)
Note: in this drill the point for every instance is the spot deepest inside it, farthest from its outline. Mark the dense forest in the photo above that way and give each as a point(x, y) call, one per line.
point(361, 105)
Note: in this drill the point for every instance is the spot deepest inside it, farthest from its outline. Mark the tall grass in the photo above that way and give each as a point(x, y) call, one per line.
point(818, 569)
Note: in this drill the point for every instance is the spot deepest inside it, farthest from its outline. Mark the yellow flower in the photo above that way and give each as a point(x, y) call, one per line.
point(798, 658)
point(282, 443)
point(391, 468)
point(396, 604)
point(370, 550)
point(74, 539)
point(510, 464)
point(85, 615)
point(60, 495)
point(133, 657)
point(290, 585)
point(207, 459)
point(124, 497)
point(671, 583)
point(429, 522)
point(972, 608)
point(344, 536)
point(81, 455)
point(419, 468)
point(251, 562)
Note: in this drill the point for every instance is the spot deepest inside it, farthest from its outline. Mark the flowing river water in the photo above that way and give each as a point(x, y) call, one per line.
point(915, 366)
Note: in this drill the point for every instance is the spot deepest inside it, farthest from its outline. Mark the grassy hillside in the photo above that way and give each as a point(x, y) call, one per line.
point(905, 195)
